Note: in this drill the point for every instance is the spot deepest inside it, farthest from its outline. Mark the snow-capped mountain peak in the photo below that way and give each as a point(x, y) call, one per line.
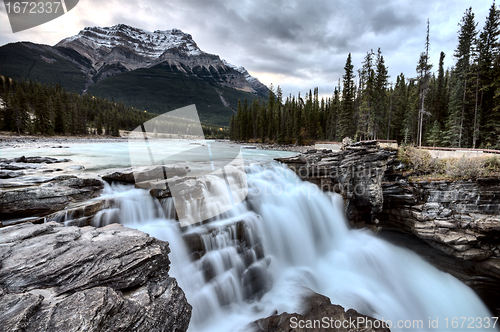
point(142, 42)
point(241, 70)
point(119, 48)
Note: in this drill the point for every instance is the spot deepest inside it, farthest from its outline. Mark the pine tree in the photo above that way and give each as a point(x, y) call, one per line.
point(461, 95)
point(488, 57)
point(366, 88)
point(441, 102)
point(59, 116)
point(380, 96)
point(346, 121)
point(99, 124)
point(452, 137)
point(400, 105)
point(423, 69)
point(435, 134)
point(43, 117)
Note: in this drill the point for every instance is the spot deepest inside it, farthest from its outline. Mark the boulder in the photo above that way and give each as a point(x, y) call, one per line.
point(315, 308)
point(46, 195)
point(10, 175)
point(33, 160)
point(56, 278)
point(142, 174)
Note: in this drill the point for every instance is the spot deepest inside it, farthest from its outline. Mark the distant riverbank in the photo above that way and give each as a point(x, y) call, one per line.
point(37, 141)
point(10, 140)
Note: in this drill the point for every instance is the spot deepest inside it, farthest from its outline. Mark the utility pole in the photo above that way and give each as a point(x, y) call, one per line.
point(390, 111)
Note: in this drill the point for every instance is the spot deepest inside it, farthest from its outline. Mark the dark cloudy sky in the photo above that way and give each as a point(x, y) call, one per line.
point(295, 44)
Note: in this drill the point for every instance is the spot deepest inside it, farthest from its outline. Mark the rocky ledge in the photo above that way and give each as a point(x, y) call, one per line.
point(356, 172)
point(40, 196)
point(56, 278)
point(315, 308)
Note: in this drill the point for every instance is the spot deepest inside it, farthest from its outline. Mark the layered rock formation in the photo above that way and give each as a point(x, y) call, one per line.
point(460, 220)
point(454, 224)
point(40, 196)
point(56, 278)
point(356, 173)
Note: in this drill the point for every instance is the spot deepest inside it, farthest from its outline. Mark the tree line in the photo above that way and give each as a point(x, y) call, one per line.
point(34, 108)
point(456, 107)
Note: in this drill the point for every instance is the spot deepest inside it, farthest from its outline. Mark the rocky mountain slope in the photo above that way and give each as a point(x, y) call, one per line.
point(166, 70)
point(123, 48)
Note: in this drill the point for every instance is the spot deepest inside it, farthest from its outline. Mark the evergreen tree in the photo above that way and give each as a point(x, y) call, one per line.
point(346, 121)
point(59, 116)
point(380, 97)
point(400, 105)
point(43, 116)
point(366, 88)
point(99, 124)
point(441, 102)
point(462, 94)
point(488, 58)
point(423, 69)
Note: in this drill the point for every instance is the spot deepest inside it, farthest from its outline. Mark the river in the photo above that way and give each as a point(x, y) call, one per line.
point(284, 240)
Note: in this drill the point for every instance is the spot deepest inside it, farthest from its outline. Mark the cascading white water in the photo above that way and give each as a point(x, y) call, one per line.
point(293, 238)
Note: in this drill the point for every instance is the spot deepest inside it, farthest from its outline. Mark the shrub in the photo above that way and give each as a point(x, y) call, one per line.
point(466, 168)
point(419, 161)
point(492, 163)
point(438, 166)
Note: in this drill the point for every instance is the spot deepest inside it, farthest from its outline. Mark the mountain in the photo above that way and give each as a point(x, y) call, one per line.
point(155, 71)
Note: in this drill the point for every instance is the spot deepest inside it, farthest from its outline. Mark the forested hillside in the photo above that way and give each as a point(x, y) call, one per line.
point(454, 107)
point(34, 108)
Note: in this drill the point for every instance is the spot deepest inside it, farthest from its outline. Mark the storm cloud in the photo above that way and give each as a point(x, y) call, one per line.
point(298, 45)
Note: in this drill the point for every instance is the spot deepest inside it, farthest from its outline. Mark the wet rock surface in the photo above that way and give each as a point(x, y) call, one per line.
point(39, 196)
point(311, 318)
point(56, 278)
point(17, 167)
point(209, 245)
point(32, 160)
point(145, 174)
point(10, 174)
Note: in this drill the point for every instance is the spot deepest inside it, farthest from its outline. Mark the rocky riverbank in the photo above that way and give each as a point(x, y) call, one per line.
point(56, 278)
point(56, 142)
point(59, 142)
point(455, 224)
point(29, 188)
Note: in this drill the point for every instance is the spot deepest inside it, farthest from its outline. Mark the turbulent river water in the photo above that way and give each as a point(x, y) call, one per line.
point(284, 240)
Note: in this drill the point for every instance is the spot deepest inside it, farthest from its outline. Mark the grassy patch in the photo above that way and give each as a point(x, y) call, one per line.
point(421, 166)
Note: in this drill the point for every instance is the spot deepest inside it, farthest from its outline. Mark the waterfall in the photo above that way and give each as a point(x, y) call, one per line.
point(285, 238)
